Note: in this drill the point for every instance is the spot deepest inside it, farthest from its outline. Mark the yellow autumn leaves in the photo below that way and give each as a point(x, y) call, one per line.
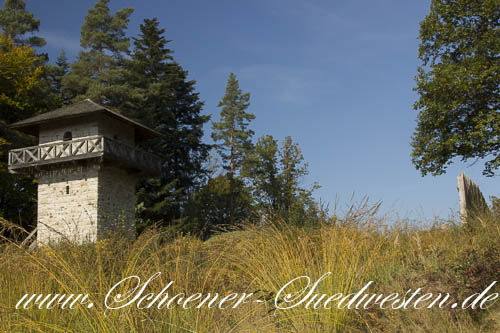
point(18, 74)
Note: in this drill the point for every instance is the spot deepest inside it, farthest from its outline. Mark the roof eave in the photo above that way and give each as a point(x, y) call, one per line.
point(32, 128)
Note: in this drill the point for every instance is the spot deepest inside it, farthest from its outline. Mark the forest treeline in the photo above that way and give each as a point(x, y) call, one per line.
point(203, 187)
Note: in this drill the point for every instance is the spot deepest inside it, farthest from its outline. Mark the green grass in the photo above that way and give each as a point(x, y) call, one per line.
point(355, 248)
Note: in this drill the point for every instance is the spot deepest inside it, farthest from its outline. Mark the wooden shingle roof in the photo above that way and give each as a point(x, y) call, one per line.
point(80, 109)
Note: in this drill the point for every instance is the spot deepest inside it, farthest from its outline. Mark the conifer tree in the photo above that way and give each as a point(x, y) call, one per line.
point(62, 68)
point(163, 98)
point(56, 73)
point(275, 175)
point(262, 170)
point(16, 22)
point(296, 201)
point(233, 131)
point(98, 71)
point(208, 210)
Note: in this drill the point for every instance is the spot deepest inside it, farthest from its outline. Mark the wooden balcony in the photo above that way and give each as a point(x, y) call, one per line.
point(29, 159)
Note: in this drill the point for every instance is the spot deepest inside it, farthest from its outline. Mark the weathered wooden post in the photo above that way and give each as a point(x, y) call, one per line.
point(470, 197)
point(87, 166)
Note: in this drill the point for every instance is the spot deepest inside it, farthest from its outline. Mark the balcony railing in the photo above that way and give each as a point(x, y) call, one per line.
point(29, 158)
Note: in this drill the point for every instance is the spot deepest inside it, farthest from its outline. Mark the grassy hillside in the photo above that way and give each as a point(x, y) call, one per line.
point(356, 248)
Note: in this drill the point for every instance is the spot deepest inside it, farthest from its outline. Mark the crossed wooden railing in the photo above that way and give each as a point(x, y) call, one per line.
point(25, 159)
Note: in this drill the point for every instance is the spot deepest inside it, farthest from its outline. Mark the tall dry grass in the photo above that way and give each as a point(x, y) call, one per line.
point(355, 248)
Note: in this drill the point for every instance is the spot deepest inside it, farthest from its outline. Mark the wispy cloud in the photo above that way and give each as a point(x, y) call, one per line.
point(334, 31)
point(285, 84)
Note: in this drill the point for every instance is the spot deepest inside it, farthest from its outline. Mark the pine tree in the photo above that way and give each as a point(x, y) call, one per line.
point(61, 69)
point(208, 210)
point(297, 205)
point(262, 171)
point(98, 70)
point(162, 97)
point(56, 73)
point(16, 22)
point(232, 130)
point(293, 170)
point(275, 175)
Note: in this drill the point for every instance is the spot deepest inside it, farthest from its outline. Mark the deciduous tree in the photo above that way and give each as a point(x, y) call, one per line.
point(18, 77)
point(458, 86)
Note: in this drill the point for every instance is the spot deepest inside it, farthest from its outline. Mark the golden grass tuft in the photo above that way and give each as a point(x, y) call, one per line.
point(356, 248)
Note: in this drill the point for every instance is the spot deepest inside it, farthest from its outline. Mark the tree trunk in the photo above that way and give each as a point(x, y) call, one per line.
point(231, 183)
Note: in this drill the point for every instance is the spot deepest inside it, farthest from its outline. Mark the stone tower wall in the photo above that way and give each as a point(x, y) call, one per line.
point(81, 129)
point(92, 126)
point(85, 203)
point(67, 204)
point(85, 200)
point(117, 130)
point(116, 202)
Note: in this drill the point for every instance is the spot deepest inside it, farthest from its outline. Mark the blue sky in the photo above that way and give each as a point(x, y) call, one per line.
point(337, 76)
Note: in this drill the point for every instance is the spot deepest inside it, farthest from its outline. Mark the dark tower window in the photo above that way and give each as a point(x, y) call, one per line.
point(68, 136)
point(67, 189)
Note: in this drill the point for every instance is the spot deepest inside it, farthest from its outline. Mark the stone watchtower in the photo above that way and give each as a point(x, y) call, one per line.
point(87, 167)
